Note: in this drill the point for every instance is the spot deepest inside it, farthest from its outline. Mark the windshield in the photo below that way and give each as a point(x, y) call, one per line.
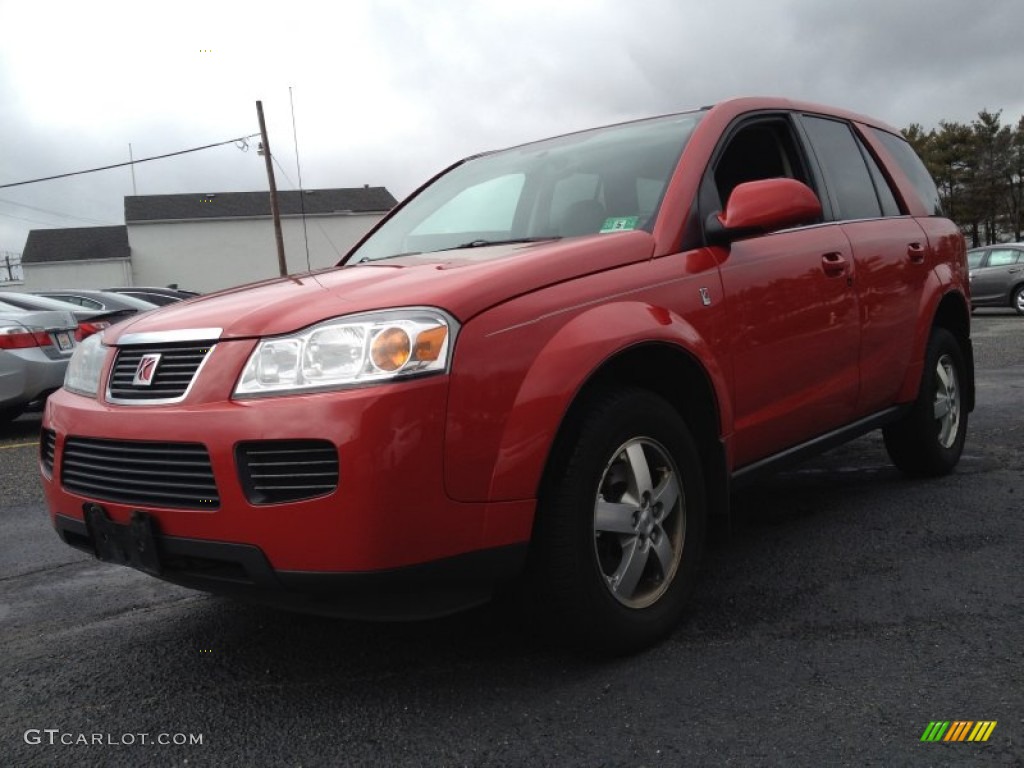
point(599, 181)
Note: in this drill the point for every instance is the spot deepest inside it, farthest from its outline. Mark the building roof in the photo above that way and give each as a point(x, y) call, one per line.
point(76, 244)
point(221, 205)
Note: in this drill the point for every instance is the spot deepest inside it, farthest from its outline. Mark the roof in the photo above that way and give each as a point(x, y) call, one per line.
point(76, 244)
point(221, 205)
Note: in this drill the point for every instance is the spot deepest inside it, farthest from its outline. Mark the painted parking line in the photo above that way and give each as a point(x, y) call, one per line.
point(19, 445)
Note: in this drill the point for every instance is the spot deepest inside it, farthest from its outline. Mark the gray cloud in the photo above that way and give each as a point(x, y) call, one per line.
point(389, 92)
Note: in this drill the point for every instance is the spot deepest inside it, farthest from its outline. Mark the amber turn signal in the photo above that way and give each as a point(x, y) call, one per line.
point(429, 344)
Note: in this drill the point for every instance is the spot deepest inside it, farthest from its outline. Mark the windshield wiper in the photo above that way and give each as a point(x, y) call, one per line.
point(483, 243)
point(365, 260)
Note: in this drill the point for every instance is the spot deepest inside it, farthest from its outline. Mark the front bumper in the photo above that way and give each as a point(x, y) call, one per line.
point(388, 518)
point(420, 591)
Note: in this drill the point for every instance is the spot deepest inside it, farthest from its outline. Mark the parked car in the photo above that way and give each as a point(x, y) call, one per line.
point(997, 276)
point(100, 300)
point(549, 365)
point(35, 348)
point(89, 320)
point(155, 295)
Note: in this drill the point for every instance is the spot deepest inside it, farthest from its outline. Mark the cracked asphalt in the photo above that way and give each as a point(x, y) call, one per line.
point(849, 608)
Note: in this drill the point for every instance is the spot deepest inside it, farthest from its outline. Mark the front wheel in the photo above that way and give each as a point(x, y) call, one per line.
point(620, 523)
point(10, 414)
point(928, 441)
point(1018, 299)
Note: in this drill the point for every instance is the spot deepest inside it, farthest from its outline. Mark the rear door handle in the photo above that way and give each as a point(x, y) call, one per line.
point(834, 264)
point(915, 252)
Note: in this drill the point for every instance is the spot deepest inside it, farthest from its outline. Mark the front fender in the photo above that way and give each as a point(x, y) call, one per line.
point(504, 416)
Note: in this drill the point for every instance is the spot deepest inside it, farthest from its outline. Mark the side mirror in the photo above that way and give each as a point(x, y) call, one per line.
point(762, 206)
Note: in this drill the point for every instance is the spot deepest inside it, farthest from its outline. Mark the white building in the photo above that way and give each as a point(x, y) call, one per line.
point(204, 242)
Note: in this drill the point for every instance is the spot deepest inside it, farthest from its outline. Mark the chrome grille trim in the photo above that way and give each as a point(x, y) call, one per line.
point(179, 367)
point(170, 337)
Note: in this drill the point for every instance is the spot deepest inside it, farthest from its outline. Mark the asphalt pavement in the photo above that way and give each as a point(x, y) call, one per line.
point(850, 608)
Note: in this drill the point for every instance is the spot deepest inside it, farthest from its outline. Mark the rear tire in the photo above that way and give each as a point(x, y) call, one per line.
point(620, 523)
point(928, 441)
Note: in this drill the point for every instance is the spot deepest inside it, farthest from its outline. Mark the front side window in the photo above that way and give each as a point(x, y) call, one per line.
point(600, 181)
point(762, 149)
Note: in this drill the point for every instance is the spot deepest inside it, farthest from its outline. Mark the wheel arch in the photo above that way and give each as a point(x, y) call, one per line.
point(676, 375)
point(953, 313)
point(941, 306)
point(1013, 292)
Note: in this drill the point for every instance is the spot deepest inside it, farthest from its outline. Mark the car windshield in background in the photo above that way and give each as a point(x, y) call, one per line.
point(604, 180)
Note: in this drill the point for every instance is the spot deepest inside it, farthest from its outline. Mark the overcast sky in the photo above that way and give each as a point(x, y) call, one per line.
point(387, 92)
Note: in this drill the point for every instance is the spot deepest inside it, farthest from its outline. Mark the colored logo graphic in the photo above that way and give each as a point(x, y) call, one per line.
point(958, 730)
point(146, 370)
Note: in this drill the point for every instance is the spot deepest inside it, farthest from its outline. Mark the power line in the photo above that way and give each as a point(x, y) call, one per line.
point(52, 213)
point(319, 226)
point(34, 221)
point(130, 162)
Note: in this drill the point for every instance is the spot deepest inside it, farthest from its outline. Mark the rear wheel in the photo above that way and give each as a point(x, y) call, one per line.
point(1018, 299)
point(928, 441)
point(620, 523)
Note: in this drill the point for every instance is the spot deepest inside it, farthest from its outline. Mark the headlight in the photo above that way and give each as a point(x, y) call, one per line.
point(352, 350)
point(83, 373)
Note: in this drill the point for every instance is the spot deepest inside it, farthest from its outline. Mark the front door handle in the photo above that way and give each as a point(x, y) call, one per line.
point(834, 264)
point(915, 252)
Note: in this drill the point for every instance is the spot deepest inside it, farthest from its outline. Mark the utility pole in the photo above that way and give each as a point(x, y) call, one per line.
point(132, 166)
point(274, 210)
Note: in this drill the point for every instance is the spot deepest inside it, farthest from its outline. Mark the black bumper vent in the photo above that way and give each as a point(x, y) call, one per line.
point(136, 472)
point(274, 471)
point(47, 449)
point(173, 371)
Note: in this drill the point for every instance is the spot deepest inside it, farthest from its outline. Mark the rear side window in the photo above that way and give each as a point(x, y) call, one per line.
point(915, 170)
point(1002, 258)
point(974, 259)
point(845, 168)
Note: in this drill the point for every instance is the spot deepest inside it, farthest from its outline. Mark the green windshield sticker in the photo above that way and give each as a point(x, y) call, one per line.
point(619, 224)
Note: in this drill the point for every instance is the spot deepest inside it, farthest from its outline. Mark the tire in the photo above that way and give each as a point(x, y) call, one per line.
point(8, 415)
point(928, 441)
point(1017, 299)
point(620, 525)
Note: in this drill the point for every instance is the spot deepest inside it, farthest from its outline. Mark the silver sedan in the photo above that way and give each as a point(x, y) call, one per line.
point(997, 276)
point(35, 347)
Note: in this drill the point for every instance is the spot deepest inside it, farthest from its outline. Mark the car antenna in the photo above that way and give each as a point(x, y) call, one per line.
point(302, 193)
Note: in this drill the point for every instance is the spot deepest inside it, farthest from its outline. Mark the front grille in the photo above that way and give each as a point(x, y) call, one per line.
point(140, 473)
point(48, 449)
point(175, 371)
point(274, 471)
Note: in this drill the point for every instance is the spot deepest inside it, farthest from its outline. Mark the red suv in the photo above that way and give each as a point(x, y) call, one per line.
point(550, 364)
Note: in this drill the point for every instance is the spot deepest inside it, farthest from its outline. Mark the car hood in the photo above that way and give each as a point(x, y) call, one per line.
point(463, 282)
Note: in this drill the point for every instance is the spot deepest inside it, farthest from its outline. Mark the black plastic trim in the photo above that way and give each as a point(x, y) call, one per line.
point(422, 591)
point(820, 444)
